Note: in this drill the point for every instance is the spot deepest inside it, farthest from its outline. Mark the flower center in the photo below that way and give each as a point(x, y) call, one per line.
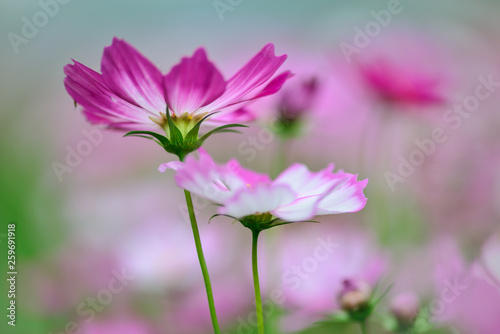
point(184, 122)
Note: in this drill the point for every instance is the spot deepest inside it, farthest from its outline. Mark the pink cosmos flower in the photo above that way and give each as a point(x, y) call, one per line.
point(296, 195)
point(399, 85)
point(132, 94)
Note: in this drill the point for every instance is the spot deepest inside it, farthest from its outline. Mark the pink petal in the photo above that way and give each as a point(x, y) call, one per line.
point(98, 118)
point(254, 74)
point(299, 210)
point(491, 258)
point(132, 77)
point(206, 179)
point(175, 165)
point(193, 83)
point(274, 85)
point(306, 183)
point(86, 87)
point(260, 199)
point(345, 197)
point(237, 116)
point(249, 178)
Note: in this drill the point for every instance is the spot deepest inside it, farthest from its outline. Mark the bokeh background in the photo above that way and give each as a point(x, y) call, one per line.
point(433, 232)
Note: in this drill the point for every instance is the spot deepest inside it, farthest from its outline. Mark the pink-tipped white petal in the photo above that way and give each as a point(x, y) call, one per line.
point(347, 196)
point(206, 179)
point(301, 209)
point(306, 183)
point(193, 83)
point(260, 199)
point(174, 165)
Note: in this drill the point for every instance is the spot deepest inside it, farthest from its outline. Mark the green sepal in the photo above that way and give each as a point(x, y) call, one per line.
point(192, 136)
point(176, 143)
point(175, 134)
point(223, 215)
point(162, 140)
point(221, 129)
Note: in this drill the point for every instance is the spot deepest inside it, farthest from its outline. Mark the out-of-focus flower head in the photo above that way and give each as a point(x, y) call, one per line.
point(394, 84)
point(396, 73)
point(405, 308)
point(354, 295)
point(324, 271)
point(297, 99)
point(468, 296)
point(259, 203)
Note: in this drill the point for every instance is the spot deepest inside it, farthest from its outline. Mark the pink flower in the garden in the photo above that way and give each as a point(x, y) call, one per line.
point(327, 269)
point(468, 296)
point(396, 84)
point(297, 99)
point(131, 93)
point(295, 195)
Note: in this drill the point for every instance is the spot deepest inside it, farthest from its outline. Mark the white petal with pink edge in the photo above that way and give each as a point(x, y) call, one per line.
point(261, 199)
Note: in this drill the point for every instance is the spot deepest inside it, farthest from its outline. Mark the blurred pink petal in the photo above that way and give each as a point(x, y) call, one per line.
point(400, 85)
point(193, 83)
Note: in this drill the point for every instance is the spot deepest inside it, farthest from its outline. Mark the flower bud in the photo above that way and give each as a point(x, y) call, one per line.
point(296, 101)
point(355, 295)
point(405, 308)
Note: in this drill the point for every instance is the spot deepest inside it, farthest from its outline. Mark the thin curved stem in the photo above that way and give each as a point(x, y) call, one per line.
point(363, 327)
point(203, 264)
point(255, 270)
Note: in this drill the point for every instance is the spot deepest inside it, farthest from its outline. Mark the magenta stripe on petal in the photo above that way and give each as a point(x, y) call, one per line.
point(193, 83)
point(255, 73)
point(86, 87)
point(132, 76)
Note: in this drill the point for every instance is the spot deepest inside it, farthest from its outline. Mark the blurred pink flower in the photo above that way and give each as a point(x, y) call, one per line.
point(405, 307)
point(319, 268)
point(395, 84)
point(469, 296)
point(296, 100)
point(490, 259)
point(297, 194)
point(132, 94)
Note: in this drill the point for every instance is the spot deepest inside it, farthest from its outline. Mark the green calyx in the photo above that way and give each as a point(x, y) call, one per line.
point(288, 128)
point(260, 222)
point(182, 132)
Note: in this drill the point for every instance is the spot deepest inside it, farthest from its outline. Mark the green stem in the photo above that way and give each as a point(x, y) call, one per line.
point(280, 162)
point(363, 327)
point(203, 264)
point(255, 270)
